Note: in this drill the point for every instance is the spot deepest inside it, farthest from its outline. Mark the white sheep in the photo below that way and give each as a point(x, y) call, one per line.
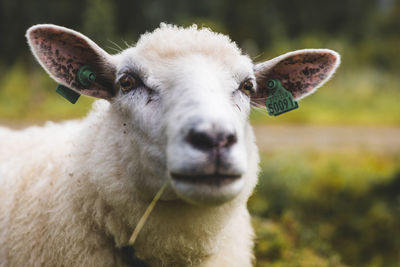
point(176, 109)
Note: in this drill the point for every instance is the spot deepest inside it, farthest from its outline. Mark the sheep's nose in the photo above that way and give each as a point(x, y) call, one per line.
point(207, 140)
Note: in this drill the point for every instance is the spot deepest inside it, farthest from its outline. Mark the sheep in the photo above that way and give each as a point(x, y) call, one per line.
point(173, 108)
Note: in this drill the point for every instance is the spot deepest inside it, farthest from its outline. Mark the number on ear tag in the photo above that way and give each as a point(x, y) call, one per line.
point(279, 100)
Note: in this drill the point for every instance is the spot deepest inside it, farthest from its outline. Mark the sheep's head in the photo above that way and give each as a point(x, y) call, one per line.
point(188, 94)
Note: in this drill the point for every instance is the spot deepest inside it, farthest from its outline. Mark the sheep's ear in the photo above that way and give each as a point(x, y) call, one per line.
point(301, 72)
point(62, 52)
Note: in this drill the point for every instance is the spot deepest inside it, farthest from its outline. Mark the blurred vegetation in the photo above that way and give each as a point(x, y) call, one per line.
point(328, 209)
point(311, 208)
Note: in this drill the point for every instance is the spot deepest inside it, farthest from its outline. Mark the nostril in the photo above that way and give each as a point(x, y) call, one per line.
point(231, 139)
point(226, 140)
point(206, 141)
point(201, 140)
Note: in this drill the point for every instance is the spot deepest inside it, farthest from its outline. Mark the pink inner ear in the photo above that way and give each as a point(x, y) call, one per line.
point(299, 73)
point(62, 53)
point(302, 73)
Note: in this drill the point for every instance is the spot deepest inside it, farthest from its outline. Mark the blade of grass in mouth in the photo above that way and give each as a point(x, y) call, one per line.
point(146, 214)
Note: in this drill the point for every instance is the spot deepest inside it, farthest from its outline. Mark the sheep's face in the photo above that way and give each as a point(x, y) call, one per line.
point(184, 96)
point(192, 106)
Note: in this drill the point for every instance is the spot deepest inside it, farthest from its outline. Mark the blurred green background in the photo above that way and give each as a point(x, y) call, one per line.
point(329, 190)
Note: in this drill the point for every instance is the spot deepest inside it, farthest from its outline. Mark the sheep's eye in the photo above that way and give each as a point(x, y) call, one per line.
point(247, 87)
point(127, 82)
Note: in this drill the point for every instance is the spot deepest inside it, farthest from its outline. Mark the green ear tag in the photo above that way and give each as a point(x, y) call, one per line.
point(67, 93)
point(279, 100)
point(85, 76)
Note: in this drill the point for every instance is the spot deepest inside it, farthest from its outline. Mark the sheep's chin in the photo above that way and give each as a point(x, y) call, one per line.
point(205, 193)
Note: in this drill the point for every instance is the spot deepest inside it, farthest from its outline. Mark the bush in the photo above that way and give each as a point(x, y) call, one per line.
point(328, 210)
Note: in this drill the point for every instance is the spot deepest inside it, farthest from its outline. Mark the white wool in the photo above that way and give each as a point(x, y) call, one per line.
point(170, 41)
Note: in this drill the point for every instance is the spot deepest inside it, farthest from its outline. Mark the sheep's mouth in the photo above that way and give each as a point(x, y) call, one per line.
point(206, 179)
point(207, 189)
